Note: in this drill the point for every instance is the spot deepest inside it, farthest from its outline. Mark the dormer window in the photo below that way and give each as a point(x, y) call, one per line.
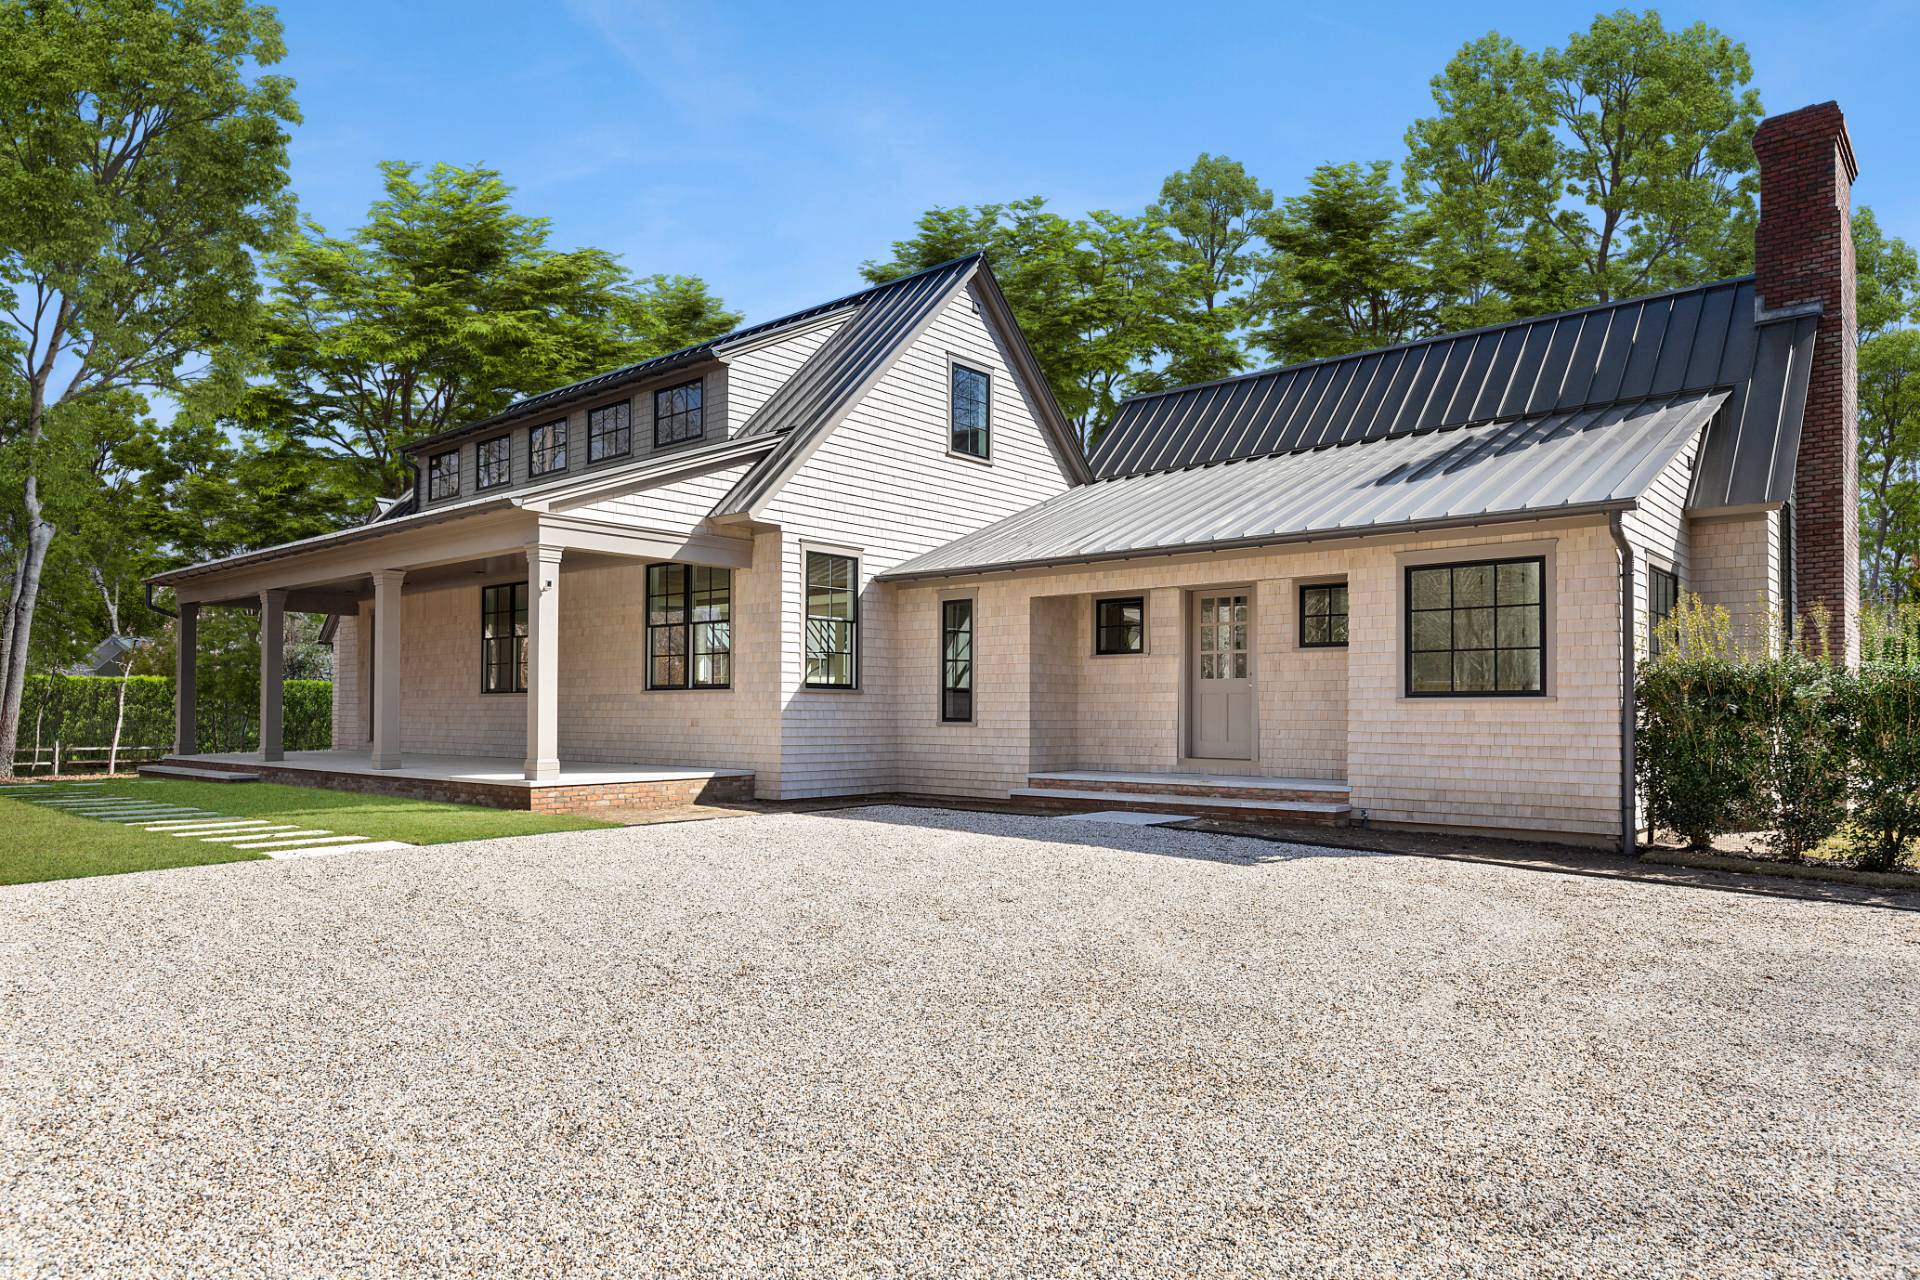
point(443, 475)
point(971, 412)
point(610, 432)
point(493, 462)
point(547, 448)
point(676, 414)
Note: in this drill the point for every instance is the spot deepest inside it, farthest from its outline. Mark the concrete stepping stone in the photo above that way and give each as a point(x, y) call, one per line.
point(213, 828)
point(296, 839)
point(199, 820)
point(135, 819)
point(233, 834)
point(263, 838)
point(371, 846)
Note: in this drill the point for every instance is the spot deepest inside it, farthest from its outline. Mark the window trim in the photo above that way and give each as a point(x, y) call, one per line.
point(686, 624)
point(1444, 560)
point(1122, 597)
point(807, 552)
point(565, 425)
point(1300, 600)
point(605, 458)
point(969, 599)
point(697, 436)
point(433, 494)
point(478, 472)
point(954, 363)
point(513, 664)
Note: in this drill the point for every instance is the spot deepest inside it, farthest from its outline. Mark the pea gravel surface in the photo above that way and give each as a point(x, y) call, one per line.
point(908, 1042)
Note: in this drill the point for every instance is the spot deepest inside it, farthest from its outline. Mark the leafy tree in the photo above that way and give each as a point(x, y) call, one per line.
point(440, 310)
point(1890, 465)
point(142, 165)
point(1211, 213)
point(1351, 272)
point(1655, 140)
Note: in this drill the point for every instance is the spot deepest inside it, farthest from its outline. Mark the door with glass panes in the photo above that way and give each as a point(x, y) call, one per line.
point(1221, 710)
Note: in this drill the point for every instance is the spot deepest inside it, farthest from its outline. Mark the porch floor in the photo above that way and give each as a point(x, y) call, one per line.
point(580, 787)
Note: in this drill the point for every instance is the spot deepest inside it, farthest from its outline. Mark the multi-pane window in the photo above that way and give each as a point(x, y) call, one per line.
point(1323, 615)
point(443, 475)
point(956, 660)
point(676, 414)
point(1477, 628)
point(1663, 597)
point(1120, 625)
point(689, 627)
point(972, 411)
point(503, 639)
point(832, 617)
point(610, 431)
point(493, 462)
point(547, 448)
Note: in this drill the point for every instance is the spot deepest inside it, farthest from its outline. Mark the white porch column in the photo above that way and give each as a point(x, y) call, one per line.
point(186, 646)
point(543, 662)
point(386, 667)
point(273, 640)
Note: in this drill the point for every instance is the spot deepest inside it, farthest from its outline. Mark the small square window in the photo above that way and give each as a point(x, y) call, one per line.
point(972, 409)
point(610, 432)
point(1120, 625)
point(1323, 615)
point(493, 462)
point(547, 448)
point(676, 414)
point(443, 475)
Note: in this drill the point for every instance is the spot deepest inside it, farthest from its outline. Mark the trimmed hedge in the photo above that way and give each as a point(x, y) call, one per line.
point(1784, 742)
point(78, 711)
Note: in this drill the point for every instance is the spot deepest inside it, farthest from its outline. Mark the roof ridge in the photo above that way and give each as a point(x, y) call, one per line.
point(1729, 282)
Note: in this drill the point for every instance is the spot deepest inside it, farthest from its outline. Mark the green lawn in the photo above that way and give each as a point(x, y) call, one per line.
point(46, 844)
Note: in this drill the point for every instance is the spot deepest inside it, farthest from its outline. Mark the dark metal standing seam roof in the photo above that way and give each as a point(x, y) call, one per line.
point(1696, 339)
point(1580, 461)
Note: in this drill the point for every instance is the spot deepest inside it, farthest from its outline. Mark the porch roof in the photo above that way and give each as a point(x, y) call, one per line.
point(1540, 467)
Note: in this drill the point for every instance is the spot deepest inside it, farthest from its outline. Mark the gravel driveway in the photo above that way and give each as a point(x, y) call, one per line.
point(891, 1041)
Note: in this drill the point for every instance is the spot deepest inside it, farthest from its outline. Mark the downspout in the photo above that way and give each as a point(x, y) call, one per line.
point(1629, 817)
point(158, 608)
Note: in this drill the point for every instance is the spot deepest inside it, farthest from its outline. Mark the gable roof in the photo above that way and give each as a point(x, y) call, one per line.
point(1581, 462)
point(1708, 337)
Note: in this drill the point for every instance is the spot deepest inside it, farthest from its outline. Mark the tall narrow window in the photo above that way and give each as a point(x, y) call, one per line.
point(503, 639)
point(689, 627)
point(972, 412)
point(1119, 625)
point(1323, 615)
point(610, 431)
point(676, 414)
point(493, 462)
point(956, 661)
point(832, 618)
point(547, 448)
point(1663, 597)
point(1477, 629)
point(443, 475)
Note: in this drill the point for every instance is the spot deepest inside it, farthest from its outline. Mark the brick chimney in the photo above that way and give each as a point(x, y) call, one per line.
point(1803, 253)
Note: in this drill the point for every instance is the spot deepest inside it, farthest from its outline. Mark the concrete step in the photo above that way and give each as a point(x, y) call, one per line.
point(164, 770)
point(1274, 809)
point(1225, 786)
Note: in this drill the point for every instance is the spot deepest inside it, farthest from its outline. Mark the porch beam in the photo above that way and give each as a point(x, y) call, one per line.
point(386, 667)
point(273, 639)
point(186, 651)
point(543, 662)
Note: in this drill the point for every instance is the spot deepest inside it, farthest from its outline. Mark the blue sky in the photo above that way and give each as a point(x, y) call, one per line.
point(772, 147)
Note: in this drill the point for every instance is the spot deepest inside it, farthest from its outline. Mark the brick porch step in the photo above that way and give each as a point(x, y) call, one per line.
point(1242, 808)
point(1218, 786)
point(164, 770)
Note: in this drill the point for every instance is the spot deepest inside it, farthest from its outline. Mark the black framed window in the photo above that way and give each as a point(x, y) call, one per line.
point(676, 414)
point(503, 638)
point(956, 661)
point(1120, 625)
point(1323, 615)
point(689, 627)
point(832, 620)
point(1663, 597)
point(547, 448)
point(1477, 629)
point(972, 412)
point(443, 475)
point(610, 431)
point(493, 462)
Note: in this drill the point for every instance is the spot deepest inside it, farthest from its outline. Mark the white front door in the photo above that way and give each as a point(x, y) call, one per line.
point(1222, 702)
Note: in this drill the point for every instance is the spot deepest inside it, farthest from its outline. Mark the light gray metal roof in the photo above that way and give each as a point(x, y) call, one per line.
point(1585, 460)
point(1702, 338)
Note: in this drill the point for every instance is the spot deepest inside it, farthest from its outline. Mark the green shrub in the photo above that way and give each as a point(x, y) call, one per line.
point(1805, 713)
point(1702, 746)
point(78, 711)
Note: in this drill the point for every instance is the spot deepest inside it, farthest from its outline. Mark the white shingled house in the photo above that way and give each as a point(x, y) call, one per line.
point(859, 550)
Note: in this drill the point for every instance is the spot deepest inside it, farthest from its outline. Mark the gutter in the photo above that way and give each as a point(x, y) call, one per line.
point(1629, 818)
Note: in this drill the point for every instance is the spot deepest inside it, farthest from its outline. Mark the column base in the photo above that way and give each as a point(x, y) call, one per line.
point(268, 757)
point(389, 761)
point(542, 770)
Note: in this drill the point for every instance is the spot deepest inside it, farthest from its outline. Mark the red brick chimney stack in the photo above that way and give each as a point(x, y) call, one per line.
point(1803, 253)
